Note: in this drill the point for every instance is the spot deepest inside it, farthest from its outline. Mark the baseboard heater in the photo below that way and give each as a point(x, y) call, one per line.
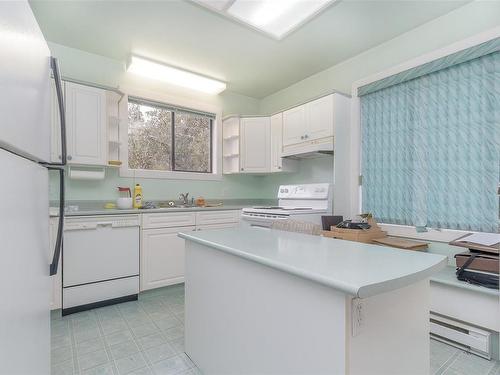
point(461, 335)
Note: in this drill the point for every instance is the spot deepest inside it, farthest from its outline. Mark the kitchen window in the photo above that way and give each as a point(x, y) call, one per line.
point(430, 149)
point(167, 139)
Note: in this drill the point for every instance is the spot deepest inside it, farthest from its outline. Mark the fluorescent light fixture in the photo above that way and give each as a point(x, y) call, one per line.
point(277, 18)
point(174, 76)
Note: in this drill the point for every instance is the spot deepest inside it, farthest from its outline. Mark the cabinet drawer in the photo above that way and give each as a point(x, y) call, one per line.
point(168, 220)
point(216, 226)
point(217, 217)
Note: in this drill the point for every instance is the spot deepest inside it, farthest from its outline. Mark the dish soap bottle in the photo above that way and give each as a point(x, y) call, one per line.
point(138, 196)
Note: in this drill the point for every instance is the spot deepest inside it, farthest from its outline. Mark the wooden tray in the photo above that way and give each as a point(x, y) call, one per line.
point(359, 235)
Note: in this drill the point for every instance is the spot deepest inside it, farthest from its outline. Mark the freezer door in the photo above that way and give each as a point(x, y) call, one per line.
point(24, 280)
point(24, 83)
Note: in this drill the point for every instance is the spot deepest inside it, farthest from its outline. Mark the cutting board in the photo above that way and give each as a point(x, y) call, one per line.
point(402, 243)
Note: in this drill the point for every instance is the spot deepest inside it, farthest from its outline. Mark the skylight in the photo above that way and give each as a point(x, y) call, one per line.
point(277, 18)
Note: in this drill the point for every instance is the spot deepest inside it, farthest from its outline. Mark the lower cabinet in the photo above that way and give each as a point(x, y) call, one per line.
point(162, 257)
point(162, 251)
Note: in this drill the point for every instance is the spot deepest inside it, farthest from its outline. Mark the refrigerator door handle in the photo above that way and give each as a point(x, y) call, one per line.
point(54, 64)
point(60, 227)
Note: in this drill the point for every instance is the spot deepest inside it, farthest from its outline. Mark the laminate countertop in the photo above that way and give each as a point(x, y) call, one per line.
point(358, 269)
point(92, 208)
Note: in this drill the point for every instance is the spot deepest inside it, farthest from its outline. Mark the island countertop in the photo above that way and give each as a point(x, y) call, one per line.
point(358, 269)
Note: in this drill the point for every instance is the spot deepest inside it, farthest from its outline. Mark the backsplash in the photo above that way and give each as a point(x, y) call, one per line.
point(230, 187)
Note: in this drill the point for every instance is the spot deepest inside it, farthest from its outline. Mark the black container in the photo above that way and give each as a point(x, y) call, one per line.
point(330, 221)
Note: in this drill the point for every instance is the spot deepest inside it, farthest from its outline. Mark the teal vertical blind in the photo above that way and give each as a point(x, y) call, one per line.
point(431, 148)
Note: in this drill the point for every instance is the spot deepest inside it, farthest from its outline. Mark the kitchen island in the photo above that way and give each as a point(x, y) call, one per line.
point(262, 301)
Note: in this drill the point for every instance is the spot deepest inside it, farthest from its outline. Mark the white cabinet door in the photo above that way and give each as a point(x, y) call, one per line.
point(294, 125)
point(56, 280)
point(276, 142)
point(255, 145)
point(86, 124)
point(319, 118)
point(55, 124)
point(162, 257)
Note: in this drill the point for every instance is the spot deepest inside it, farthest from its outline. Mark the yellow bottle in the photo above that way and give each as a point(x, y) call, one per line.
point(137, 196)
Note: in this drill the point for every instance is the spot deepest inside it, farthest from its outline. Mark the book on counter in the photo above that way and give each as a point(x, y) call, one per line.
point(479, 265)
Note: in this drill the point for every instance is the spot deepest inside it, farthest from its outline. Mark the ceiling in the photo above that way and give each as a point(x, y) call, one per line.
point(186, 35)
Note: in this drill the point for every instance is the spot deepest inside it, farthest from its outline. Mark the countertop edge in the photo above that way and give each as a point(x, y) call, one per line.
point(355, 291)
point(401, 282)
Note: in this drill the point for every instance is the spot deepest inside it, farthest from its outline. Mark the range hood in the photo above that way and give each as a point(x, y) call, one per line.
point(310, 150)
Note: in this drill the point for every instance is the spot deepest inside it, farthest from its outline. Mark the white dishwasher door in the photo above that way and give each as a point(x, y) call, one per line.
point(100, 249)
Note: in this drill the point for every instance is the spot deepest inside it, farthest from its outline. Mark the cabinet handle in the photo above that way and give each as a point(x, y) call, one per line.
point(69, 157)
point(60, 157)
point(279, 167)
point(301, 137)
point(242, 169)
point(306, 136)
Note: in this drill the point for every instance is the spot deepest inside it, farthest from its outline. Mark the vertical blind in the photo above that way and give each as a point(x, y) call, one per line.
point(431, 148)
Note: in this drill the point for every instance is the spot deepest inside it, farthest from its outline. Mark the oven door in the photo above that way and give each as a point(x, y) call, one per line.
point(264, 220)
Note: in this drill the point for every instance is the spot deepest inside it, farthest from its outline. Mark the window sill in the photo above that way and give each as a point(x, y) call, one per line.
point(170, 175)
point(435, 235)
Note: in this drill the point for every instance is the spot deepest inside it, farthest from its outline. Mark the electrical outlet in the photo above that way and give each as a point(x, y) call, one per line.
point(357, 315)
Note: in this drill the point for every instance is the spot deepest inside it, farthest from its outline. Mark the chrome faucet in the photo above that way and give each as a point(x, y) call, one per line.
point(184, 199)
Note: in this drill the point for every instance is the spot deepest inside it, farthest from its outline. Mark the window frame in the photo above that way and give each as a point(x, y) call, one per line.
point(355, 192)
point(170, 103)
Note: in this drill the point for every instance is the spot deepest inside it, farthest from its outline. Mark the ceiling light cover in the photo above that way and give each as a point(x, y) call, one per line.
point(275, 17)
point(174, 76)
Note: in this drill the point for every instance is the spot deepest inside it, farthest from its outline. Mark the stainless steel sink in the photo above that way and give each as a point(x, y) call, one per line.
point(164, 205)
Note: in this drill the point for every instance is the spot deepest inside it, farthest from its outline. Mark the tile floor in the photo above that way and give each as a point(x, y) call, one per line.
point(147, 337)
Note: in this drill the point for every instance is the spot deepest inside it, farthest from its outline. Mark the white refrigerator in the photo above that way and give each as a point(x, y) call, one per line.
point(25, 73)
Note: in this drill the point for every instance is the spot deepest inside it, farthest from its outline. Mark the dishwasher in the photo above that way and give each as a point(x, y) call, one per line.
point(100, 261)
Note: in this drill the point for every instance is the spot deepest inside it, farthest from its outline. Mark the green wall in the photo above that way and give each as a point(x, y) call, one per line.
point(231, 186)
point(459, 24)
point(456, 25)
point(87, 67)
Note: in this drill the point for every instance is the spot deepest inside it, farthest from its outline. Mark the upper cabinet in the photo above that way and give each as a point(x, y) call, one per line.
point(312, 126)
point(293, 125)
point(319, 118)
point(278, 163)
point(255, 138)
point(254, 145)
point(307, 122)
point(231, 145)
point(86, 125)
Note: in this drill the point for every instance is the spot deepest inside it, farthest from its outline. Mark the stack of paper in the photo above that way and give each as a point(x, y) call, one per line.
point(485, 239)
